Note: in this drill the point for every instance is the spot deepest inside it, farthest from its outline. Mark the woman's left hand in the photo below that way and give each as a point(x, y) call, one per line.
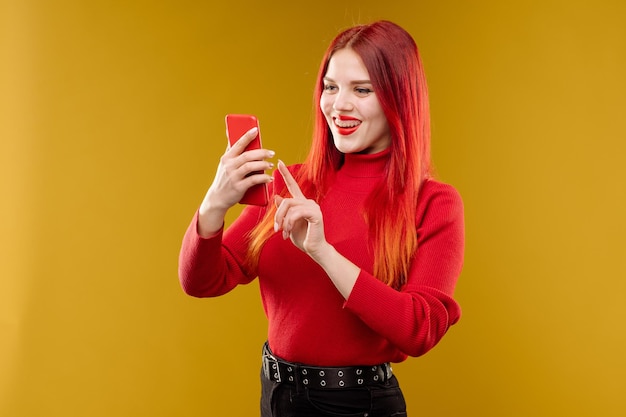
point(299, 218)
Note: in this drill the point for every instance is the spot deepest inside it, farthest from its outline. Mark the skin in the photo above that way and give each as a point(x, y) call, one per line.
point(230, 182)
point(300, 219)
point(347, 93)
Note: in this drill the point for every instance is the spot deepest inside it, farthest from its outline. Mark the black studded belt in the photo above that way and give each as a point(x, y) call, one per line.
point(278, 370)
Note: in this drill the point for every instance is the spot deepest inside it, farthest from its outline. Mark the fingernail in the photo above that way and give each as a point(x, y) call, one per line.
point(275, 227)
point(271, 154)
point(285, 235)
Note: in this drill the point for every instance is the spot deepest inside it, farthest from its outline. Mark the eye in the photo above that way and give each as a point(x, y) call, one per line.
point(363, 91)
point(330, 88)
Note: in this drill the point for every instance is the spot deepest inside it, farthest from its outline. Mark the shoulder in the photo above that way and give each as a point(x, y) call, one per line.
point(441, 200)
point(433, 189)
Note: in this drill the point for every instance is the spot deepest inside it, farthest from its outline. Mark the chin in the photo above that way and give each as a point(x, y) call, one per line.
point(345, 148)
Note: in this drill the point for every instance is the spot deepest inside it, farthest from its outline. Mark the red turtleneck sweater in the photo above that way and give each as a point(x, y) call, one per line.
point(309, 321)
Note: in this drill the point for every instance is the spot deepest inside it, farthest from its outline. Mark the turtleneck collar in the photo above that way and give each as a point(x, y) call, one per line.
point(365, 165)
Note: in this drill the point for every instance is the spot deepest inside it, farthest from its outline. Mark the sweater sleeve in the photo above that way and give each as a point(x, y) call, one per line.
point(209, 267)
point(415, 318)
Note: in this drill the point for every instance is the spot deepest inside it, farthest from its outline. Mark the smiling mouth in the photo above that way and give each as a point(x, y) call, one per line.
point(346, 125)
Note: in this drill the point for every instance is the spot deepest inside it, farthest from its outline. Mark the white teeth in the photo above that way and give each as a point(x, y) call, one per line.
point(347, 123)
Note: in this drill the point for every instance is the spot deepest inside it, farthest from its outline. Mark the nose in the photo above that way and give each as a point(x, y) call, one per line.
point(343, 101)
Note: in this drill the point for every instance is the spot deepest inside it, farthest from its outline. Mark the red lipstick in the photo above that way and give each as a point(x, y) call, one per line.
point(346, 125)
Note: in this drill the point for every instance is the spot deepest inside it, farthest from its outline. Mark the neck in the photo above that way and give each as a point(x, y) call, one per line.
point(365, 165)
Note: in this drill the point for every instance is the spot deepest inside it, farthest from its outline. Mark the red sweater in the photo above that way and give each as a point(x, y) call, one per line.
point(309, 321)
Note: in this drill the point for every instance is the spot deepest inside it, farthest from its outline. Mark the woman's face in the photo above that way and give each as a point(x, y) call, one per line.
point(351, 107)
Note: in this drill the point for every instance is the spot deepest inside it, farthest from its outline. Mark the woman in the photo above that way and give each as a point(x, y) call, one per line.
point(359, 254)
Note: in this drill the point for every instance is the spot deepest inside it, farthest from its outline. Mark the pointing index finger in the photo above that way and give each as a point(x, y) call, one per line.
point(290, 182)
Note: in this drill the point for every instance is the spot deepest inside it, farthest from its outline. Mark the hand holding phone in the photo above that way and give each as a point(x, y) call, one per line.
point(236, 126)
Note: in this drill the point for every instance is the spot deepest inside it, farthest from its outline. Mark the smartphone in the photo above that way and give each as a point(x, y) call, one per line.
point(236, 126)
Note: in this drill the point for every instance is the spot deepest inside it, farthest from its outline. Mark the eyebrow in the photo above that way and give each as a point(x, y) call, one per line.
point(351, 82)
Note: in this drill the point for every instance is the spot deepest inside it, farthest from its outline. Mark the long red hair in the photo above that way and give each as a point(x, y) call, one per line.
point(392, 60)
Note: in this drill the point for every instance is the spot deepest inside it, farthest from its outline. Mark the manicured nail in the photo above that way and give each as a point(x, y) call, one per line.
point(271, 154)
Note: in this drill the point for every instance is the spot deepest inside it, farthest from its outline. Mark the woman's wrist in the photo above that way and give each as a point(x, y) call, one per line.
point(324, 255)
point(210, 219)
point(341, 271)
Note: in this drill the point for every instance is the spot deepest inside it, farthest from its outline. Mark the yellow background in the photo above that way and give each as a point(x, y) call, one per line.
point(111, 125)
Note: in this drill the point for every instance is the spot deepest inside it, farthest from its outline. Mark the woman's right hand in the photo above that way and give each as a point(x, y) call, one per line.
point(232, 180)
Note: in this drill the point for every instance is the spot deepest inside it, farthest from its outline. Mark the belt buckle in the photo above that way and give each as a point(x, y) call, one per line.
point(271, 370)
point(387, 370)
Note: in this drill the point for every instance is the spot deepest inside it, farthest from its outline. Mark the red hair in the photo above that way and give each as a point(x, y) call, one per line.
point(391, 58)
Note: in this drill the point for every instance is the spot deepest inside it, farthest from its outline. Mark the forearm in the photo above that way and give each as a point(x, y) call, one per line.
point(414, 320)
point(210, 217)
point(341, 271)
point(212, 266)
point(199, 265)
point(210, 221)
